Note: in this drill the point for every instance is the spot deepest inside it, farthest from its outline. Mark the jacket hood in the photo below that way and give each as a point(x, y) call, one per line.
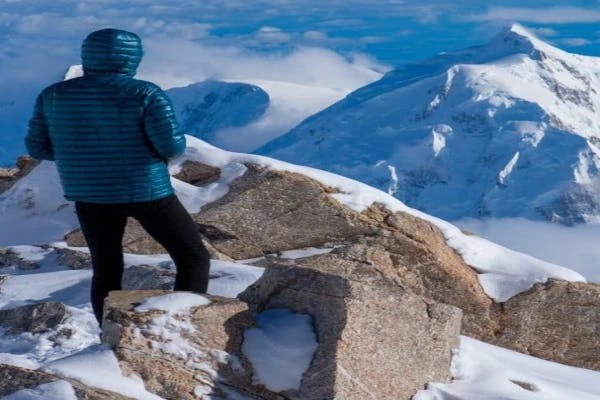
point(111, 51)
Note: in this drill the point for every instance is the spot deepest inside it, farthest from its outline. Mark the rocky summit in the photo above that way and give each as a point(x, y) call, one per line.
point(381, 292)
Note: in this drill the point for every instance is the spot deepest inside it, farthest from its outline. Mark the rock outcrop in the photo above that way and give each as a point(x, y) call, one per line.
point(556, 321)
point(267, 212)
point(360, 319)
point(8, 176)
point(35, 318)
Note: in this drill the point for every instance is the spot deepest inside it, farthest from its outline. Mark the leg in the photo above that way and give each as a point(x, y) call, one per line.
point(169, 223)
point(103, 226)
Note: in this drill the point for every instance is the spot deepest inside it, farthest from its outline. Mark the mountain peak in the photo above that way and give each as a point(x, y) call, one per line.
point(516, 37)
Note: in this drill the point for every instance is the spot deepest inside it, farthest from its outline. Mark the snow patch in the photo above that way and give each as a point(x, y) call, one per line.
point(98, 367)
point(280, 348)
point(57, 390)
point(173, 303)
point(508, 169)
point(484, 371)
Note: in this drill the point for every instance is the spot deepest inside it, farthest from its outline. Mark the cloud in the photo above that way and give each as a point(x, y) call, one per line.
point(572, 247)
point(549, 15)
point(575, 42)
point(543, 32)
point(173, 62)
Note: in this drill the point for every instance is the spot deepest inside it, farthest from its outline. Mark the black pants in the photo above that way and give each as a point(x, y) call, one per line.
point(165, 219)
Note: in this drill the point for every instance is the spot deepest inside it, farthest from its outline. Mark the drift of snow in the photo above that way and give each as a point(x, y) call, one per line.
point(280, 348)
point(57, 390)
point(100, 368)
point(173, 303)
point(484, 371)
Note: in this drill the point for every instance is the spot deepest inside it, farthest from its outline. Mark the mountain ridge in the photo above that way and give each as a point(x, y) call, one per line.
point(506, 129)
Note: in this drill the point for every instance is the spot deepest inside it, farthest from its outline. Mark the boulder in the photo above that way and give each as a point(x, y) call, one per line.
point(268, 211)
point(14, 379)
point(197, 173)
point(556, 321)
point(179, 356)
point(8, 176)
point(34, 318)
point(73, 259)
point(413, 253)
point(377, 340)
point(139, 277)
point(10, 258)
point(361, 320)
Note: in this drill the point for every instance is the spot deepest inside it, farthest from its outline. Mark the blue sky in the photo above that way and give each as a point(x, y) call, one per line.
point(313, 42)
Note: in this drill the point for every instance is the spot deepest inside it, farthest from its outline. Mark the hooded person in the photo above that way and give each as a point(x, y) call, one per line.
point(111, 137)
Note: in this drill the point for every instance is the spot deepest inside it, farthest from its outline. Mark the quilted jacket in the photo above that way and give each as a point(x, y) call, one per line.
point(109, 134)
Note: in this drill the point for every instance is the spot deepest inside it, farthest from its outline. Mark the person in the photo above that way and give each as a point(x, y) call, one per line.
point(111, 137)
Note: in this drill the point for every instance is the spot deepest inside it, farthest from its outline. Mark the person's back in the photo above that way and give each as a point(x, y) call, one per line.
point(111, 134)
point(111, 137)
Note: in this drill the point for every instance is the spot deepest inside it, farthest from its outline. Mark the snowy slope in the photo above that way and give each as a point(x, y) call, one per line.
point(246, 113)
point(206, 107)
point(508, 129)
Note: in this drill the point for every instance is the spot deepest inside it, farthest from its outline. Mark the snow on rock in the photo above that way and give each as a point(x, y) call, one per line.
point(98, 367)
point(503, 272)
point(515, 95)
point(484, 371)
point(57, 390)
point(173, 303)
point(228, 279)
point(280, 348)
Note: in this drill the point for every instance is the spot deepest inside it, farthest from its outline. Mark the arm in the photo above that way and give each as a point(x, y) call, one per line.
point(37, 140)
point(161, 126)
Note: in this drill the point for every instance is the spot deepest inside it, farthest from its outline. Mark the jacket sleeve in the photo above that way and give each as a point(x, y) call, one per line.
point(161, 128)
point(37, 139)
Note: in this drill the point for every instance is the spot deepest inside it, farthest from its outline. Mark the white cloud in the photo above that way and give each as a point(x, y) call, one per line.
point(575, 42)
point(544, 32)
point(176, 63)
point(272, 35)
point(572, 247)
point(549, 15)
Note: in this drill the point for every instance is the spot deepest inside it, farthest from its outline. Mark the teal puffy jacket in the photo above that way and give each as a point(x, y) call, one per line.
point(110, 135)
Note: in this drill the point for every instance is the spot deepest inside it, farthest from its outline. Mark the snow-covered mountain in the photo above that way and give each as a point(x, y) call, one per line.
point(507, 129)
point(205, 107)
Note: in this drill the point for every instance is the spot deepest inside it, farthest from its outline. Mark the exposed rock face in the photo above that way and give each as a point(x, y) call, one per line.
point(9, 258)
point(413, 253)
point(73, 259)
point(362, 321)
point(8, 176)
point(35, 318)
point(138, 277)
point(558, 321)
point(14, 379)
point(200, 358)
point(267, 211)
point(197, 173)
